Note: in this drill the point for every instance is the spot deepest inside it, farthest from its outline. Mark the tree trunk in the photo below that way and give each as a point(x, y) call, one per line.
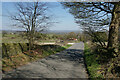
point(113, 29)
point(31, 42)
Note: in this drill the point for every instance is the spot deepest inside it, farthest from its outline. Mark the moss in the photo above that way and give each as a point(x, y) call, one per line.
point(10, 49)
point(17, 48)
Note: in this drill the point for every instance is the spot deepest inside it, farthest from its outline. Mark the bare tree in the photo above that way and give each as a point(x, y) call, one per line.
point(97, 15)
point(32, 17)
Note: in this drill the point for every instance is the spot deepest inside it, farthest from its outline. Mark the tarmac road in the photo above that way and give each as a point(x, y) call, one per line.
point(66, 64)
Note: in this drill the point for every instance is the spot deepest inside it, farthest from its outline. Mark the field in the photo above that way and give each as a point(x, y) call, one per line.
point(41, 38)
point(13, 38)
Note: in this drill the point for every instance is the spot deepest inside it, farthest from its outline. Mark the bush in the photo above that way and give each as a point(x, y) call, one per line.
point(10, 49)
point(103, 54)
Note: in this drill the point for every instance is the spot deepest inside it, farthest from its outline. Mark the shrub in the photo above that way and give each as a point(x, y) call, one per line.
point(103, 54)
point(10, 49)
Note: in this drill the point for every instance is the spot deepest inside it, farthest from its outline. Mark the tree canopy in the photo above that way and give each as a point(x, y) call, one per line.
point(95, 16)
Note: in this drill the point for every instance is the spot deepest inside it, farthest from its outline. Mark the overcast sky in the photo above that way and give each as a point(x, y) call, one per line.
point(61, 15)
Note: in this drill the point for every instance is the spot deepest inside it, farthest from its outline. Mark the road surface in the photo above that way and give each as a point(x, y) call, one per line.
point(66, 64)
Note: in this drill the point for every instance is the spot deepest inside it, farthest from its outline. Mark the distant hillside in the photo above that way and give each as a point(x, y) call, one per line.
point(47, 31)
point(60, 31)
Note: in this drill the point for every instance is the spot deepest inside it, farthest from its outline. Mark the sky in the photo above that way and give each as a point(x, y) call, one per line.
point(62, 16)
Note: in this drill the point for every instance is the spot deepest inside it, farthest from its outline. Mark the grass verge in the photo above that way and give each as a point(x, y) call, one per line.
point(93, 66)
point(41, 51)
point(67, 46)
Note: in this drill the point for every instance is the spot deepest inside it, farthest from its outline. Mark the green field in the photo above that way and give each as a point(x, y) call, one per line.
point(44, 38)
point(13, 38)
